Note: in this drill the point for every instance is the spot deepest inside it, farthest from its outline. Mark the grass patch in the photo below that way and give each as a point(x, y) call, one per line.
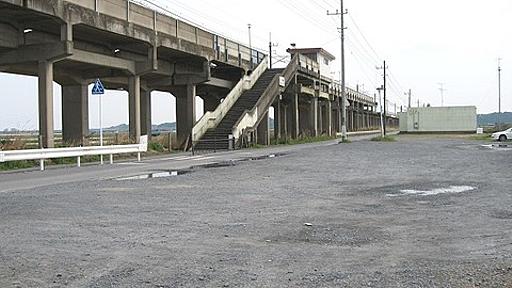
point(156, 146)
point(14, 165)
point(303, 140)
point(480, 137)
point(386, 138)
point(258, 146)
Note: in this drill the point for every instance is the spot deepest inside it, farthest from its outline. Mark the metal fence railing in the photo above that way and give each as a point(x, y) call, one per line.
point(54, 153)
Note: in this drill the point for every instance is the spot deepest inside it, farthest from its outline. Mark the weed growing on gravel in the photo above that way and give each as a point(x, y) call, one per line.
point(386, 138)
point(480, 137)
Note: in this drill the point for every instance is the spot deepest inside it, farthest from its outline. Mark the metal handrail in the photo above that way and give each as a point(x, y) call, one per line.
point(269, 94)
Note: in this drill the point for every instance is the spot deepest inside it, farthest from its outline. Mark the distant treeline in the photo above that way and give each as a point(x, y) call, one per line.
point(490, 119)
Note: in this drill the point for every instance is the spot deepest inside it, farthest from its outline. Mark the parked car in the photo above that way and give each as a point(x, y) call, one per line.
point(503, 135)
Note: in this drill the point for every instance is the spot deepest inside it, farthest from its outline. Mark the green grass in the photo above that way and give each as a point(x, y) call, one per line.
point(155, 146)
point(303, 140)
point(14, 165)
point(386, 138)
point(481, 137)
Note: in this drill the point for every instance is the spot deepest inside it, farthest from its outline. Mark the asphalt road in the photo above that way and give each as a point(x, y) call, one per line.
point(420, 212)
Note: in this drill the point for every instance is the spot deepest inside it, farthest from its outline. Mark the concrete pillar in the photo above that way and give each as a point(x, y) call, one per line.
point(210, 103)
point(352, 124)
point(295, 124)
point(335, 118)
point(75, 114)
point(185, 113)
point(277, 120)
point(262, 132)
point(45, 87)
point(328, 110)
point(145, 112)
point(134, 108)
point(313, 117)
point(320, 118)
point(284, 122)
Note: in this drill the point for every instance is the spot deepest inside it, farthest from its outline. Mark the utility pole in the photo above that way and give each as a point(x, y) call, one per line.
point(498, 120)
point(409, 94)
point(270, 48)
point(385, 99)
point(442, 90)
point(381, 118)
point(343, 116)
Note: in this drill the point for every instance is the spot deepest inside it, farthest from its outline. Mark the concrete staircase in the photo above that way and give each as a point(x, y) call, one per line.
point(217, 138)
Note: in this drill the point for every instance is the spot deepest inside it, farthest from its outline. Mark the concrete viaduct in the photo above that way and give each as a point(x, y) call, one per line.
point(139, 50)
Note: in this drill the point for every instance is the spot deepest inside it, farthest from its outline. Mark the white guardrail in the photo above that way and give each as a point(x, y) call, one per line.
point(53, 153)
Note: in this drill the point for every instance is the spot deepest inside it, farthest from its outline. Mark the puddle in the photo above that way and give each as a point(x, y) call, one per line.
point(155, 175)
point(175, 173)
point(497, 146)
point(432, 192)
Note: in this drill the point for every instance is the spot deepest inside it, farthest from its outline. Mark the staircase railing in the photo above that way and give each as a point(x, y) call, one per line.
point(212, 119)
point(251, 118)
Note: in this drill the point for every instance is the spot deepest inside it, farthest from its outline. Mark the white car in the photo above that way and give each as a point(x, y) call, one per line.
point(503, 135)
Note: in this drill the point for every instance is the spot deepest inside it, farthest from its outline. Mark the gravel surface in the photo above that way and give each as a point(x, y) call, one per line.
point(337, 216)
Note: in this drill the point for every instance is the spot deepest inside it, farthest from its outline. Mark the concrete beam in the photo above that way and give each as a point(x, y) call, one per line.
point(103, 60)
point(49, 52)
point(75, 114)
point(221, 83)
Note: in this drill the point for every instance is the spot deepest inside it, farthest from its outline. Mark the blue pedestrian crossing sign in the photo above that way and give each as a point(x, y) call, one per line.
point(98, 88)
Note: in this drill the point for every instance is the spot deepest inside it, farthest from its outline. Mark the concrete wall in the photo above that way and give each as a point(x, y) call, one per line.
point(325, 69)
point(438, 119)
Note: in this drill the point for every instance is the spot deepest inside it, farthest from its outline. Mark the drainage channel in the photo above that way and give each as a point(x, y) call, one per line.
point(175, 173)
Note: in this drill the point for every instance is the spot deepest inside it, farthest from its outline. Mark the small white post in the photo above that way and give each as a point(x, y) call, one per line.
point(101, 125)
point(78, 164)
point(230, 142)
point(41, 164)
point(111, 159)
point(138, 157)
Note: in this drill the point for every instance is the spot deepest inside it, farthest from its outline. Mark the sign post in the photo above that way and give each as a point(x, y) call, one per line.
point(99, 89)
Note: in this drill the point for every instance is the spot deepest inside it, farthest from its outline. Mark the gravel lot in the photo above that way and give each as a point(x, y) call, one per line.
point(371, 222)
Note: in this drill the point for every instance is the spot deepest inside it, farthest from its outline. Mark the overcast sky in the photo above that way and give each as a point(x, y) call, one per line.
point(425, 43)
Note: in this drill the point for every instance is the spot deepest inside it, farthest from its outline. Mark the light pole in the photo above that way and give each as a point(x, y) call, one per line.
point(250, 43)
point(498, 120)
point(270, 48)
point(442, 90)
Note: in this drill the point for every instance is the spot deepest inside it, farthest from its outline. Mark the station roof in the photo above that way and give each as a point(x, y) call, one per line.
point(311, 51)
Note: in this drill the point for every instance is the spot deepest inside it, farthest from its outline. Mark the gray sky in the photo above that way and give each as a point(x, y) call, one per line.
point(454, 42)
